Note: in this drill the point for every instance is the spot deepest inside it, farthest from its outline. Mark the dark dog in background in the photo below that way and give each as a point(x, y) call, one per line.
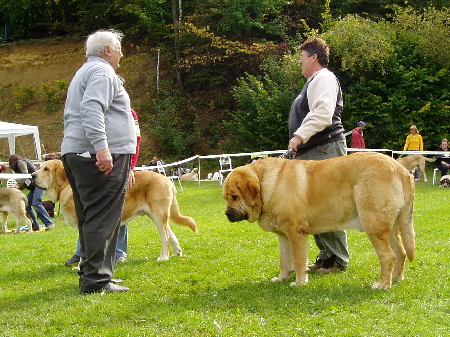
point(445, 181)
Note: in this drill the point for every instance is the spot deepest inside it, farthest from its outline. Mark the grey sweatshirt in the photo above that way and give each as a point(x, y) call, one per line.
point(97, 114)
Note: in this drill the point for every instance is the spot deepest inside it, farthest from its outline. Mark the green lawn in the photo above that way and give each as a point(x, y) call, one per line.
point(221, 286)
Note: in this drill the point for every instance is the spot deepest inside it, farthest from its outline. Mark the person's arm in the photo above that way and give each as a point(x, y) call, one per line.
point(356, 141)
point(406, 144)
point(420, 143)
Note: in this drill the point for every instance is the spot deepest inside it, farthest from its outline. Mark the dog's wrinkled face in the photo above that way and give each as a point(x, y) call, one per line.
point(241, 190)
point(445, 181)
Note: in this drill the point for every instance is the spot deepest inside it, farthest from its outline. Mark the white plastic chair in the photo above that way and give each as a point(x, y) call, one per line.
point(162, 170)
point(225, 167)
point(10, 183)
point(434, 175)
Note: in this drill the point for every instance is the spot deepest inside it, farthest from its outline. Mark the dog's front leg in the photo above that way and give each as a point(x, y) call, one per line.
point(285, 259)
point(298, 240)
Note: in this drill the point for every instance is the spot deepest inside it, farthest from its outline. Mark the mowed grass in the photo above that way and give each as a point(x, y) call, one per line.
point(221, 286)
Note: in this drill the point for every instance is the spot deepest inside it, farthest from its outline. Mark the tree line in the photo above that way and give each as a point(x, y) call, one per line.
point(230, 68)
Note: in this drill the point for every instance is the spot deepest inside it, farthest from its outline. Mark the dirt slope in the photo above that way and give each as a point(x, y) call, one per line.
point(43, 62)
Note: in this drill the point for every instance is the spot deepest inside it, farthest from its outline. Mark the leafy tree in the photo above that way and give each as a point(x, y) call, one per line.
point(264, 103)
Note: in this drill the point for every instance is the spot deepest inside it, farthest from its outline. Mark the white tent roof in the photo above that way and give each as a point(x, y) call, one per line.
point(12, 130)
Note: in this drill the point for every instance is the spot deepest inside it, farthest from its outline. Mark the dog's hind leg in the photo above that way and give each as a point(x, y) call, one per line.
point(5, 221)
point(381, 242)
point(400, 256)
point(17, 224)
point(162, 224)
point(174, 242)
point(422, 169)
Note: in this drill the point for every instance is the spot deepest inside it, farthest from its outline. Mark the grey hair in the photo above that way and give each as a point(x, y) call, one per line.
point(96, 42)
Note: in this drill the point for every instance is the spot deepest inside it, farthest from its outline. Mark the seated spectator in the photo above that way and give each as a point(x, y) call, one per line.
point(443, 161)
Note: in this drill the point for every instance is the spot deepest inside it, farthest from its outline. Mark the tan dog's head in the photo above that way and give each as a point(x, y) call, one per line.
point(51, 175)
point(241, 190)
point(445, 181)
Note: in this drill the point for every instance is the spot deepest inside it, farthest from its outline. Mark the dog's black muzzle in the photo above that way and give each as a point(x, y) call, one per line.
point(234, 216)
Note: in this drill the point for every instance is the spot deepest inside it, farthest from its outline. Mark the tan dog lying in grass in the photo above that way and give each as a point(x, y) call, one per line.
point(367, 191)
point(14, 201)
point(191, 176)
point(153, 195)
point(415, 160)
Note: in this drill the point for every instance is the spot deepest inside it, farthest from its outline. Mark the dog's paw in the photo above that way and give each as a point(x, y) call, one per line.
point(381, 285)
point(162, 258)
point(177, 254)
point(300, 282)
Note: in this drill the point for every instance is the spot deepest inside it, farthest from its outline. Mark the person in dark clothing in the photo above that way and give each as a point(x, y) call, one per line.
point(443, 160)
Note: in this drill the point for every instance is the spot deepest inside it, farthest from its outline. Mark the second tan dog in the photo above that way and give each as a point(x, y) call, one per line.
point(367, 191)
point(191, 176)
point(14, 201)
point(415, 160)
point(153, 195)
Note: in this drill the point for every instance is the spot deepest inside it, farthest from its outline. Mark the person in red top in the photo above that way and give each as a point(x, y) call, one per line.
point(358, 137)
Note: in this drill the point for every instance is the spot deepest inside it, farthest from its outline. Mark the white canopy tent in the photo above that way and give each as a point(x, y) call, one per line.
point(12, 130)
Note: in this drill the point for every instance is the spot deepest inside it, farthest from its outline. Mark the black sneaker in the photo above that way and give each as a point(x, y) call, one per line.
point(73, 260)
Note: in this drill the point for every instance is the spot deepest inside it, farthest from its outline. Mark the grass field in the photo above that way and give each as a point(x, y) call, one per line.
point(221, 286)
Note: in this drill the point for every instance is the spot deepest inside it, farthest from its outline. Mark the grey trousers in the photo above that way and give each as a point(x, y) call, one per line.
point(99, 201)
point(331, 242)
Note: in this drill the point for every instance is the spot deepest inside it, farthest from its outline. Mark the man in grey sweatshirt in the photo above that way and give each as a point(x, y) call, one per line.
point(99, 139)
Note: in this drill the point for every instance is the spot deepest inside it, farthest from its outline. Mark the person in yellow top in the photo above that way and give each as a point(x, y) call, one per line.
point(414, 142)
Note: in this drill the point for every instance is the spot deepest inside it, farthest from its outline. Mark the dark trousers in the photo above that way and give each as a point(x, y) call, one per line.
point(99, 200)
point(443, 169)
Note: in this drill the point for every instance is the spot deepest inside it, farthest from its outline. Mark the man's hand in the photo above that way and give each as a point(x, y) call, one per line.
point(294, 142)
point(104, 161)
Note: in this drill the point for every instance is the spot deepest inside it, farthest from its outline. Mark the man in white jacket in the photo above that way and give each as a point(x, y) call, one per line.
point(316, 133)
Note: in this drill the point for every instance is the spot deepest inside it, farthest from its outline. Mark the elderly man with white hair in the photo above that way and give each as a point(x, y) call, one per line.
point(99, 139)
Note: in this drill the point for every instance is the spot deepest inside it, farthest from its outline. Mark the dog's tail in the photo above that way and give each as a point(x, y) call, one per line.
point(406, 218)
point(430, 159)
point(177, 217)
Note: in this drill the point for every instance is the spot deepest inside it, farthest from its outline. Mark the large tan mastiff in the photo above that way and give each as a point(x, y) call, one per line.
point(153, 195)
point(367, 191)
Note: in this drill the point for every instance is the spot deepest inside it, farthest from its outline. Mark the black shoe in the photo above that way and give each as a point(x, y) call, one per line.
point(73, 260)
point(109, 288)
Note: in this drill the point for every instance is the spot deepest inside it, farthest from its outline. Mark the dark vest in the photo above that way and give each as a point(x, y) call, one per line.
point(299, 110)
point(31, 168)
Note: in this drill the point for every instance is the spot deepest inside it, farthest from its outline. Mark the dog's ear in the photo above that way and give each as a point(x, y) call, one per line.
point(250, 189)
point(60, 175)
